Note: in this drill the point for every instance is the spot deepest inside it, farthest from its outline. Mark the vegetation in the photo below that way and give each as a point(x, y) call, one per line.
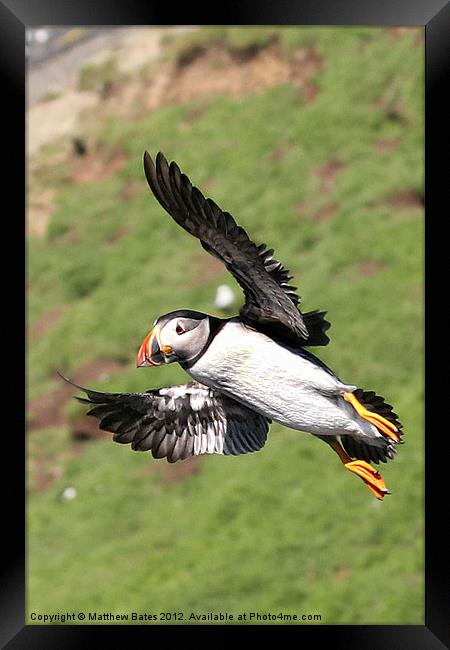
point(93, 75)
point(335, 187)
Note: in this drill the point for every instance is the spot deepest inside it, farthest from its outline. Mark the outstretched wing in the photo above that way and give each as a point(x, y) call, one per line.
point(178, 421)
point(269, 299)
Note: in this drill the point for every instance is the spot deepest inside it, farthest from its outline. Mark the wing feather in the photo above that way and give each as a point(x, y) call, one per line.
point(269, 299)
point(178, 421)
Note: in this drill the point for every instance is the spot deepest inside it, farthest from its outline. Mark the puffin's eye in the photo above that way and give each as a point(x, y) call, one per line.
point(179, 329)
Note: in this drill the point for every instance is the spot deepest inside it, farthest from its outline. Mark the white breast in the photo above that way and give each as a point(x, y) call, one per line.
point(275, 381)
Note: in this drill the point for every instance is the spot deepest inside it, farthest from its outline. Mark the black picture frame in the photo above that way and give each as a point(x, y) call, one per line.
point(15, 16)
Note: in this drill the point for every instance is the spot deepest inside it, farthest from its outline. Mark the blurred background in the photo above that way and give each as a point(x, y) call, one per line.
point(312, 138)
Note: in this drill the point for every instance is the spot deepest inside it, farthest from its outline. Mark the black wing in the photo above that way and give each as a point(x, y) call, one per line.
point(270, 302)
point(178, 421)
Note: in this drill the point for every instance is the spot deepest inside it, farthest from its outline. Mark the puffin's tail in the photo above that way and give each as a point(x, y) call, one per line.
point(376, 404)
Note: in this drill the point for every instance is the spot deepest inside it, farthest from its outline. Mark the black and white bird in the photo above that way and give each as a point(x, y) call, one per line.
point(247, 370)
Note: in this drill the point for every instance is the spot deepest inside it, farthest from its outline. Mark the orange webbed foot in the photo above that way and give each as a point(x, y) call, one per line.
point(384, 426)
point(371, 477)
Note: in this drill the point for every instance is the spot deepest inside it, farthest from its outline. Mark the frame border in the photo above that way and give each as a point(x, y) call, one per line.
point(434, 15)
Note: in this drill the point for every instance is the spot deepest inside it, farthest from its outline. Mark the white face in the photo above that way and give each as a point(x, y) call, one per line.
point(182, 339)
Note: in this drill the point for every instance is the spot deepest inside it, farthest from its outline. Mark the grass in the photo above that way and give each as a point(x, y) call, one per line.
point(73, 36)
point(92, 75)
point(286, 529)
point(51, 95)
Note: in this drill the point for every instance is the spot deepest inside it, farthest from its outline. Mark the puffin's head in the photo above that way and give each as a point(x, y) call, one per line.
point(178, 336)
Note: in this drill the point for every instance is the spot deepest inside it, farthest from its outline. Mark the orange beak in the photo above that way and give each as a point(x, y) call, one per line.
point(150, 353)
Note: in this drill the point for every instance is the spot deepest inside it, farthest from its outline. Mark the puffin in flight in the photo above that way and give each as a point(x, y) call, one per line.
point(247, 370)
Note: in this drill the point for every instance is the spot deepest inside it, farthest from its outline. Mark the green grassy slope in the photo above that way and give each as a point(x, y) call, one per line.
point(286, 529)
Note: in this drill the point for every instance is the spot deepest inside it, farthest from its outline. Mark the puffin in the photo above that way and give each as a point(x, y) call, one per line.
point(248, 370)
